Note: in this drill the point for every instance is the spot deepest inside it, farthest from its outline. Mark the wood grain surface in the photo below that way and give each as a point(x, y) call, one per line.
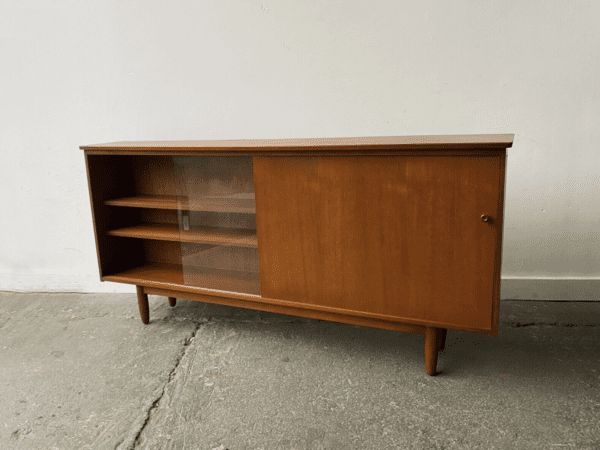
point(215, 204)
point(400, 236)
point(459, 141)
point(200, 235)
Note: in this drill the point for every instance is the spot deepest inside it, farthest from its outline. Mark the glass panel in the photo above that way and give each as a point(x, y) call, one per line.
point(217, 222)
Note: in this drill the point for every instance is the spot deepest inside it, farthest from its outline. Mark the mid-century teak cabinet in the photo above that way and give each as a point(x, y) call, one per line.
point(400, 233)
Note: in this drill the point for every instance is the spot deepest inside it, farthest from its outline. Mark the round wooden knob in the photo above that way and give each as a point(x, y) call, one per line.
point(485, 218)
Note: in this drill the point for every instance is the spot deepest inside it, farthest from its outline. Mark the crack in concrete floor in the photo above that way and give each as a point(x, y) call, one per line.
point(155, 404)
point(132, 443)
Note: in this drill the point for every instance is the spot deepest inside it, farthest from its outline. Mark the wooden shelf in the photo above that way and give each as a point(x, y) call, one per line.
point(237, 203)
point(236, 237)
point(172, 276)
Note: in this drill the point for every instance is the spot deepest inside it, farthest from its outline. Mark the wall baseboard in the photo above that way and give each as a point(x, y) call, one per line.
point(59, 282)
point(546, 289)
point(540, 289)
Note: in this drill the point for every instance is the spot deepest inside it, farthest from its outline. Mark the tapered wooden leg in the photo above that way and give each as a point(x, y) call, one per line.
point(143, 304)
point(172, 301)
point(431, 349)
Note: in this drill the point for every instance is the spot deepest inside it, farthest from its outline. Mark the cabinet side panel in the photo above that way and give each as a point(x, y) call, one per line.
point(498, 229)
point(394, 235)
point(111, 177)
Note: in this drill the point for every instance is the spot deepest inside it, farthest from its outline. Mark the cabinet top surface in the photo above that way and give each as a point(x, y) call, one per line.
point(458, 141)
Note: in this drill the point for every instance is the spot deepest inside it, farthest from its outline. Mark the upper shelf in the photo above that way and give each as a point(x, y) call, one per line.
point(241, 203)
point(382, 143)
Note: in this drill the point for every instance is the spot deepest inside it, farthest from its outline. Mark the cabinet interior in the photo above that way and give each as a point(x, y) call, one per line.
point(176, 220)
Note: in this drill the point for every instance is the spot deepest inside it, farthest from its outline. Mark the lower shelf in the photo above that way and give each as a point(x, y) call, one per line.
point(169, 276)
point(199, 235)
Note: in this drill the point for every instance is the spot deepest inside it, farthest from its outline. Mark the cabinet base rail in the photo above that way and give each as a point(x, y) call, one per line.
point(435, 338)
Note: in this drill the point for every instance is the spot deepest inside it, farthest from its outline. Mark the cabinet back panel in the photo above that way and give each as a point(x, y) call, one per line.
point(394, 235)
point(220, 257)
point(159, 216)
point(214, 175)
point(166, 252)
point(155, 175)
point(200, 218)
point(225, 220)
point(193, 176)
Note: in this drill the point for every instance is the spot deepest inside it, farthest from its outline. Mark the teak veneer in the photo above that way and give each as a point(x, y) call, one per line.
point(399, 233)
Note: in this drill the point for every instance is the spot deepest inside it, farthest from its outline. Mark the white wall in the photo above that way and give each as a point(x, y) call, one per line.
point(81, 72)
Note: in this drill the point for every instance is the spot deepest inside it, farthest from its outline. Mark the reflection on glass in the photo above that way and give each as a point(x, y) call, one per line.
point(217, 222)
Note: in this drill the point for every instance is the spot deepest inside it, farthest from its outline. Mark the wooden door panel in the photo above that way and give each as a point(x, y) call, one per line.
point(400, 236)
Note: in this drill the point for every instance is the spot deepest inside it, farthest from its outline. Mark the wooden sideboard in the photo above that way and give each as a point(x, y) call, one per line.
point(401, 233)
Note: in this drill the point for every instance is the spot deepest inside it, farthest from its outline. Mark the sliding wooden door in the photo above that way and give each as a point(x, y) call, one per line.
point(398, 237)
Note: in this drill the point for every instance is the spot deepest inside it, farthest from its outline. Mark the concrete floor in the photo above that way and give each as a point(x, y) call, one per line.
point(82, 372)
